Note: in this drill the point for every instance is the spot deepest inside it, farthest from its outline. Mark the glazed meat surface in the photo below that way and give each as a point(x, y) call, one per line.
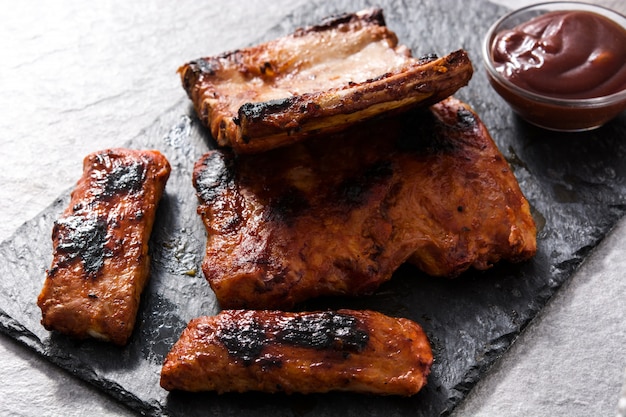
point(428, 187)
point(100, 262)
point(312, 352)
point(317, 80)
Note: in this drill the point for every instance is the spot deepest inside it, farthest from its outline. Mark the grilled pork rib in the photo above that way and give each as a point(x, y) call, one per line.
point(313, 352)
point(317, 80)
point(101, 264)
point(337, 216)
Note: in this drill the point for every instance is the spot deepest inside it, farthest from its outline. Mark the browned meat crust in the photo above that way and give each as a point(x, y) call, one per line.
point(317, 80)
point(101, 264)
point(272, 351)
point(339, 215)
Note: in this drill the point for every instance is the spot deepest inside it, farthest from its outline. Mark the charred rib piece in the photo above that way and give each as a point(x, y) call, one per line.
point(101, 264)
point(317, 80)
point(427, 187)
point(272, 351)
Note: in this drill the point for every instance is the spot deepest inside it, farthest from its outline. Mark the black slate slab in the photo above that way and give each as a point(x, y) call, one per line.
point(576, 184)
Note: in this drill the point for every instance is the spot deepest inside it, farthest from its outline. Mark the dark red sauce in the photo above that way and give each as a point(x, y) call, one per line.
point(565, 54)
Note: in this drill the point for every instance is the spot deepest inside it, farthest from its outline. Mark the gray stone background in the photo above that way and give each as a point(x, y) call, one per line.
point(570, 361)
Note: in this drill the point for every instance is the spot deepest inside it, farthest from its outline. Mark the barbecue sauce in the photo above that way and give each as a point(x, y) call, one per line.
point(564, 54)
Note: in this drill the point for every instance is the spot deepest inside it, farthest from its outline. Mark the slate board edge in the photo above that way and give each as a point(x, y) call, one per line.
point(20, 334)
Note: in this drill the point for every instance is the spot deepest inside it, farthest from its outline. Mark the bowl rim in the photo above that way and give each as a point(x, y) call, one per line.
point(549, 6)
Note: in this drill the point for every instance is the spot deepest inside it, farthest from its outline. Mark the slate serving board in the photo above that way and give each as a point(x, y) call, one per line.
point(576, 184)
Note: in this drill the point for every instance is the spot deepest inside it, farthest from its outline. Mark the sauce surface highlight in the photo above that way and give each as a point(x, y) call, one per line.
point(565, 54)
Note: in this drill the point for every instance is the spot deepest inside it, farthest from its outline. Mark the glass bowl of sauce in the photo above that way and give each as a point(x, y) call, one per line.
point(559, 65)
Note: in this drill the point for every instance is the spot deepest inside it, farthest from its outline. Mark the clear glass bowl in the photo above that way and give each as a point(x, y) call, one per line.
point(568, 115)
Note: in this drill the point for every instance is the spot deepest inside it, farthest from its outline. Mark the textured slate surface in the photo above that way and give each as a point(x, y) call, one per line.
point(575, 183)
